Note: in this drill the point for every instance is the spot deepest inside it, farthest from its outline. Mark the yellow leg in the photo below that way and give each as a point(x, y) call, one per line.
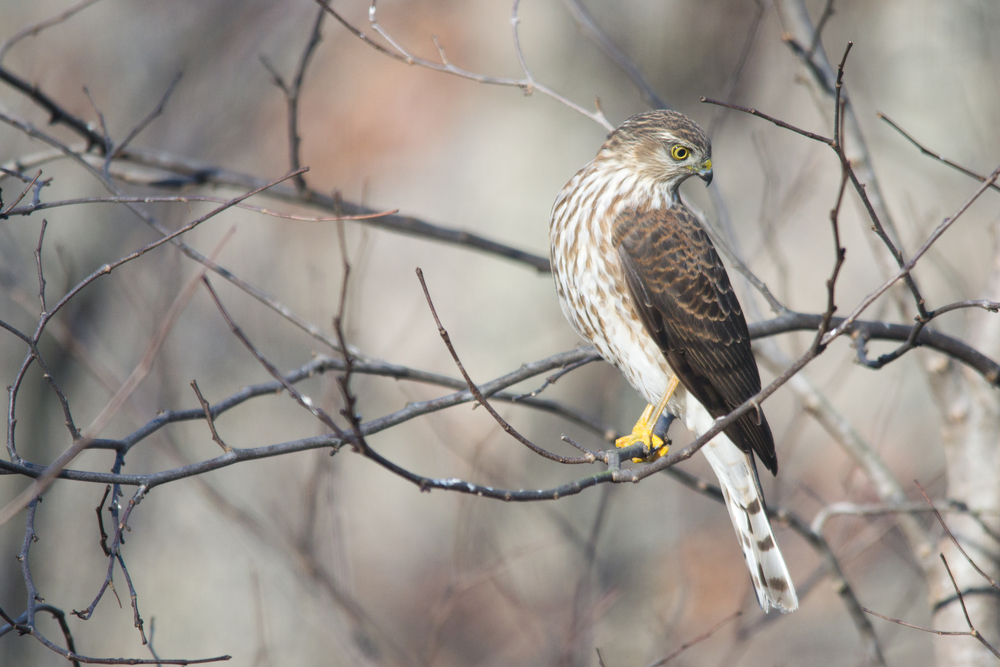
point(643, 429)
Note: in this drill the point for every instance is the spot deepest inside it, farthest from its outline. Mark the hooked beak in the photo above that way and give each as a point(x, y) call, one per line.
point(705, 173)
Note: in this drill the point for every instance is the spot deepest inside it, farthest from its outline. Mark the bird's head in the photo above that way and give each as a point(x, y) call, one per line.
point(664, 146)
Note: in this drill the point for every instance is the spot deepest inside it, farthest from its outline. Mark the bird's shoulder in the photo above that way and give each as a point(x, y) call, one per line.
point(675, 257)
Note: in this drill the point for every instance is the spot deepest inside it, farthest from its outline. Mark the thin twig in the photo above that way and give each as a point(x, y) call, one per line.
point(301, 399)
point(771, 119)
point(838, 580)
point(585, 20)
point(971, 632)
point(187, 199)
point(586, 458)
point(208, 417)
point(398, 52)
point(292, 92)
point(700, 638)
point(932, 153)
point(144, 123)
point(17, 200)
point(954, 541)
point(905, 269)
point(36, 28)
point(82, 440)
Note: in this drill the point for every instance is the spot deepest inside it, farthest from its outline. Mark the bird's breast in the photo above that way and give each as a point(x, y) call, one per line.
point(591, 284)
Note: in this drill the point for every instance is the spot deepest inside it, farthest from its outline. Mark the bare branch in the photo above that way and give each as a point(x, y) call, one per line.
point(185, 199)
point(904, 270)
point(208, 417)
point(144, 123)
point(35, 29)
point(589, 27)
point(82, 440)
point(588, 458)
point(771, 119)
point(527, 85)
point(292, 91)
point(697, 640)
point(954, 541)
point(17, 200)
point(934, 154)
point(971, 632)
point(839, 582)
point(301, 399)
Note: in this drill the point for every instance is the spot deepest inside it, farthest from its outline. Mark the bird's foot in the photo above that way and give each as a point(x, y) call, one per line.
point(644, 429)
point(643, 432)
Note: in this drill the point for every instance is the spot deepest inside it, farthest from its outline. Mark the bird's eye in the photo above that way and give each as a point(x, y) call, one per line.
point(679, 152)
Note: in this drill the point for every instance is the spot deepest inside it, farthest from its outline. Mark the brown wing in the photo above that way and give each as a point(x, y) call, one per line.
point(686, 302)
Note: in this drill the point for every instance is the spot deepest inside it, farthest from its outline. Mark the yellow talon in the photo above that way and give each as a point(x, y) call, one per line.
point(643, 429)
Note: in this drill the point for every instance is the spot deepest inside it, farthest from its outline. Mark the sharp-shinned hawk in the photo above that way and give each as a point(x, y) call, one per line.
point(638, 277)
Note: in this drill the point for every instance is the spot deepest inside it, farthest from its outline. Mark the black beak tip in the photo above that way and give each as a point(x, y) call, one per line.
point(706, 176)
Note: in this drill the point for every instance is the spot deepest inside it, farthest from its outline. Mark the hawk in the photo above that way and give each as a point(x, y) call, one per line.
point(639, 278)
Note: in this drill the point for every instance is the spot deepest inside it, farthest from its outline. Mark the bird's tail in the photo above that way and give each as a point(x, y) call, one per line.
point(745, 502)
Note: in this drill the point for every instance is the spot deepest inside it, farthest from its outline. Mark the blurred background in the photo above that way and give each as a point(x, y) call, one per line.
point(312, 559)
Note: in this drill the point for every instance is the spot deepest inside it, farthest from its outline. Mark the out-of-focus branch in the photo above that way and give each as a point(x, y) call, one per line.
point(528, 84)
point(790, 321)
point(934, 154)
point(850, 440)
point(481, 400)
point(35, 29)
point(839, 582)
point(816, 542)
point(57, 114)
point(194, 172)
point(585, 20)
point(292, 91)
point(81, 440)
point(802, 37)
point(875, 330)
point(971, 632)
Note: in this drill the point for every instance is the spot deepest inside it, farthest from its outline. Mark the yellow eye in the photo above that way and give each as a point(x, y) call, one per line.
point(679, 152)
